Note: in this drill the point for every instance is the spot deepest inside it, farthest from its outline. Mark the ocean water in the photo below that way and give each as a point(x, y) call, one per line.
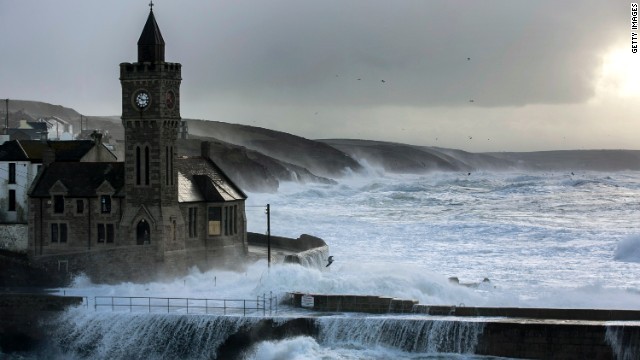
point(542, 240)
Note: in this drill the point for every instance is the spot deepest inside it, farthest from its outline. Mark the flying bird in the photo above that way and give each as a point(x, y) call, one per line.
point(382, 81)
point(329, 261)
point(468, 59)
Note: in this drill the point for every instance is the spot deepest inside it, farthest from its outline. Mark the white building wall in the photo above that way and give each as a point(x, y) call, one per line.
point(25, 174)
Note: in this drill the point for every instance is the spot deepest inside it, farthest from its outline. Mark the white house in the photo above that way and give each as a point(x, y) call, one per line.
point(20, 163)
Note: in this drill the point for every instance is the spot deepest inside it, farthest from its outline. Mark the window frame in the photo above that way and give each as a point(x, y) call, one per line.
point(214, 215)
point(12, 173)
point(58, 204)
point(105, 204)
point(12, 200)
point(79, 206)
point(59, 233)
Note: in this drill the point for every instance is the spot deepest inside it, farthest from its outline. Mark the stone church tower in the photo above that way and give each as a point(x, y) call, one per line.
point(151, 119)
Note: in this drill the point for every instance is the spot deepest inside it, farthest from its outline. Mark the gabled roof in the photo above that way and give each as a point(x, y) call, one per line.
point(23, 134)
point(12, 151)
point(80, 178)
point(23, 150)
point(65, 150)
point(200, 179)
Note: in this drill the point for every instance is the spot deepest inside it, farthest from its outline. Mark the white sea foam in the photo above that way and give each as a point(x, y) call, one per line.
point(543, 241)
point(628, 249)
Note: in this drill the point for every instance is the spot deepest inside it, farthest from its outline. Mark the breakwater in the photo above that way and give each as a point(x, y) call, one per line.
point(82, 332)
point(306, 250)
point(510, 332)
point(21, 316)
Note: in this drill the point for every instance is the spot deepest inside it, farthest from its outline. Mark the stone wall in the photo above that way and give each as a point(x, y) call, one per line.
point(140, 263)
point(303, 243)
point(21, 316)
point(14, 237)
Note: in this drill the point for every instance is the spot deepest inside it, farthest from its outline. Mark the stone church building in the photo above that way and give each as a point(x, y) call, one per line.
point(155, 213)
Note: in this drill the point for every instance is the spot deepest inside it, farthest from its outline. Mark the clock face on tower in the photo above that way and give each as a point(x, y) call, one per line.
point(142, 99)
point(171, 99)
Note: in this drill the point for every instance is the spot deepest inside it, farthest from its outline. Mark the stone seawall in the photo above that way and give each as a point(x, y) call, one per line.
point(536, 333)
point(25, 329)
point(352, 303)
point(138, 263)
point(306, 250)
point(21, 316)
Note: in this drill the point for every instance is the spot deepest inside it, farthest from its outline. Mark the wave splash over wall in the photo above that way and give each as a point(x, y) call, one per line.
point(423, 336)
point(82, 334)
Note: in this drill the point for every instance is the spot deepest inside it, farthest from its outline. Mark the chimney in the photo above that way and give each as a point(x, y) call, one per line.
point(97, 137)
point(48, 156)
point(205, 149)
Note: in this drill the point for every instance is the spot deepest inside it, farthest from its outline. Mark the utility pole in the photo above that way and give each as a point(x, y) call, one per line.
point(268, 235)
point(6, 122)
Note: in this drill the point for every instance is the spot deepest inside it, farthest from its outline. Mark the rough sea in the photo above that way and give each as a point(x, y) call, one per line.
point(542, 239)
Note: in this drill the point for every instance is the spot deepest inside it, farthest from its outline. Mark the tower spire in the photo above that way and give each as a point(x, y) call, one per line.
point(151, 43)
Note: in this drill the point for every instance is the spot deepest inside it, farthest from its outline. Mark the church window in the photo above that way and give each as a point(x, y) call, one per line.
point(166, 164)
point(58, 233)
point(171, 159)
point(137, 165)
point(146, 165)
point(105, 204)
point(12, 200)
point(235, 219)
point(58, 204)
point(226, 220)
point(214, 218)
point(79, 206)
point(193, 222)
point(12, 173)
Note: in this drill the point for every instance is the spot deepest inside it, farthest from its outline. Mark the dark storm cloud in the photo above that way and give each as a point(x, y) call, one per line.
point(315, 52)
point(312, 53)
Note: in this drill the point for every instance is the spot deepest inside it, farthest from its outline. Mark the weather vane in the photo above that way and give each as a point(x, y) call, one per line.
point(151, 5)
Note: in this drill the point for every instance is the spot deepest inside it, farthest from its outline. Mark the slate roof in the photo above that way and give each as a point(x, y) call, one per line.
point(80, 178)
point(23, 150)
point(151, 44)
point(151, 32)
point(12, 151)
point(33, 134)
point(200, 179)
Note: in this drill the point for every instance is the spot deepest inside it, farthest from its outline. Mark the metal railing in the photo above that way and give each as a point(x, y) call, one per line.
point(260, 305)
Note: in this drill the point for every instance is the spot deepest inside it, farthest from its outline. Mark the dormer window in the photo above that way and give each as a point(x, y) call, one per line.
point(105, 204)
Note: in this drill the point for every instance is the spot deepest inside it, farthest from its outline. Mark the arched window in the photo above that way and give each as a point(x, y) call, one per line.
point(146, 165)
point(137, 165)
point(143, 233)
point(166, 164)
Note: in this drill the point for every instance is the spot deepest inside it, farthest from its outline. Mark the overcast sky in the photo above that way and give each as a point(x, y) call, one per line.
point(476, 75)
